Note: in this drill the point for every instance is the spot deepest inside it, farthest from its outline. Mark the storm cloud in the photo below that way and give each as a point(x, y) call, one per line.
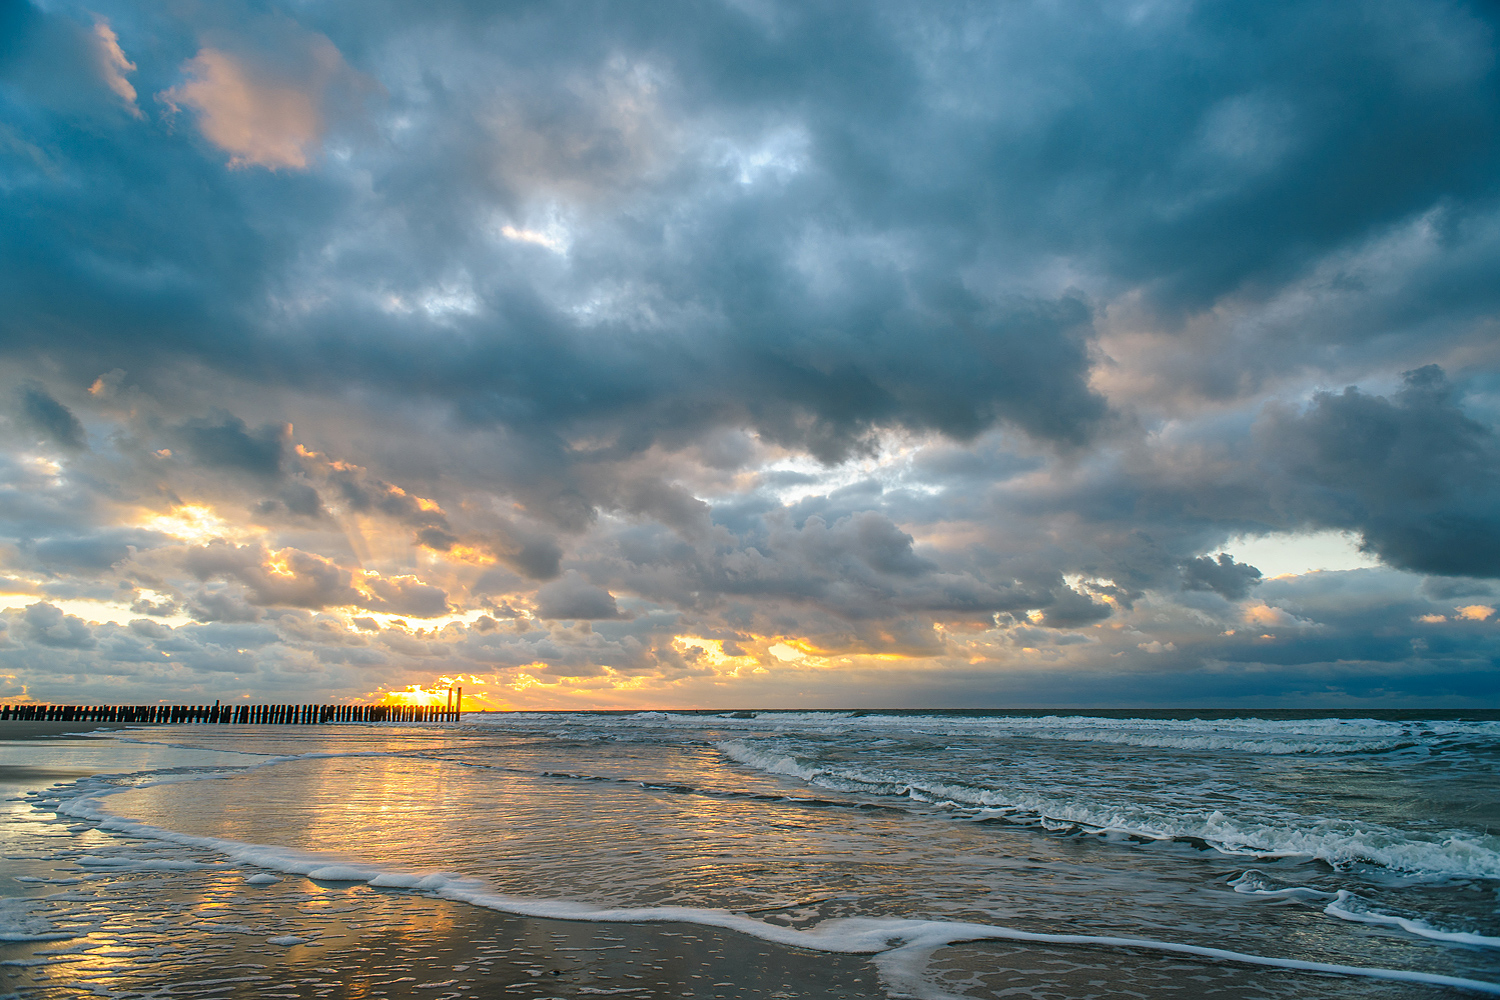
point(721, 353)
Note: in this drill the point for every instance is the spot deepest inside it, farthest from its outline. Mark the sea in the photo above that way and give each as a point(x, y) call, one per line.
point(930, 854)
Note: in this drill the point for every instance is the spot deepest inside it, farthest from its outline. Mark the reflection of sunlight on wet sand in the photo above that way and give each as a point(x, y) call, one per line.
point(209, 930)
point(343, 807)
point(609, 843)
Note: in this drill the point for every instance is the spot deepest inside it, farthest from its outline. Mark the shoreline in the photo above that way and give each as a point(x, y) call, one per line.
point(318, 939)
point(329, 939)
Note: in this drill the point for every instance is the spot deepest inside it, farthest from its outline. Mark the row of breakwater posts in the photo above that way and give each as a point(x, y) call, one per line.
point(292, 715)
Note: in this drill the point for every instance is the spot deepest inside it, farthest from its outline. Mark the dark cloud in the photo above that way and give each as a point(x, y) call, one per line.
point(301, 498)
point(406, 596)
point(573, 597)
point(1225, 577)
point(51, 418)
point(536, 558)
point(437, 538)
point(1070, 609)
point(1415, 475)
point(226, 443)
point(95, 553)
point(49, 626)
point(886, 548)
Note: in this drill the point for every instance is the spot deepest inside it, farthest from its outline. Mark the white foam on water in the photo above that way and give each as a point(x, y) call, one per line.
point(1345, 907)
point(896, 940)
point(138, 864)
point(1247, 735)
point(1256, 883)
point(1337, 841)
point(217, 927)
point(19, 921)
point(343, 873)
point(120, 738)
point(770, 761)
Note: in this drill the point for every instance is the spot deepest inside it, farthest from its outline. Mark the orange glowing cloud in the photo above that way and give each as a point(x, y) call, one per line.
point(1268, 616)
point(256, 123)
point(258, 119)
point(416, 694)
point(470, 554)
point(113, 65)
point(196, 523)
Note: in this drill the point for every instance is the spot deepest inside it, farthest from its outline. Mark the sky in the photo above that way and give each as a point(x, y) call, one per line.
point(751, 354)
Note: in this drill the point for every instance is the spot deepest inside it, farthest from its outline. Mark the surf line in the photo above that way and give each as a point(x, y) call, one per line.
point(888, 936)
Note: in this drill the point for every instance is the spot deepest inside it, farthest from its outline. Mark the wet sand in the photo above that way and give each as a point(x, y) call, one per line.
point(303, 939)
point(13, 729)
point(212, 933)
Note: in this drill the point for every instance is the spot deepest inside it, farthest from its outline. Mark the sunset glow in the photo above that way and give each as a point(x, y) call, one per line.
point(615, 380)
point(196, 523)
point(415, 694)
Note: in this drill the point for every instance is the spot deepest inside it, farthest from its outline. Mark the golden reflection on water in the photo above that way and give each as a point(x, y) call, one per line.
point(608, 842)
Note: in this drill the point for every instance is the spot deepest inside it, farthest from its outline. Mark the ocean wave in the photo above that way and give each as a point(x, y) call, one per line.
point(1252, 882)
point(1347, 906)
point(1272, 745)
point(1337, 841)
point(1240, 735)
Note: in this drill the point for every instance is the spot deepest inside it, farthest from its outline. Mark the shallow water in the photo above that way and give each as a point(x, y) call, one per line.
point(1353, 842)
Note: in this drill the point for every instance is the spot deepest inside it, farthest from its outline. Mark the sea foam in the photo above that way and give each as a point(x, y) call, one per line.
point(1336, 841)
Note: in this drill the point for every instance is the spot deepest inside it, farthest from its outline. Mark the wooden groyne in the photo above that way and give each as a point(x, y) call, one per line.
point(254, 715)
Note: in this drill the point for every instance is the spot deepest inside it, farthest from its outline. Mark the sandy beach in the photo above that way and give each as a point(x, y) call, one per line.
point(299, 938)
point(25, 730)
point(215, 934)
